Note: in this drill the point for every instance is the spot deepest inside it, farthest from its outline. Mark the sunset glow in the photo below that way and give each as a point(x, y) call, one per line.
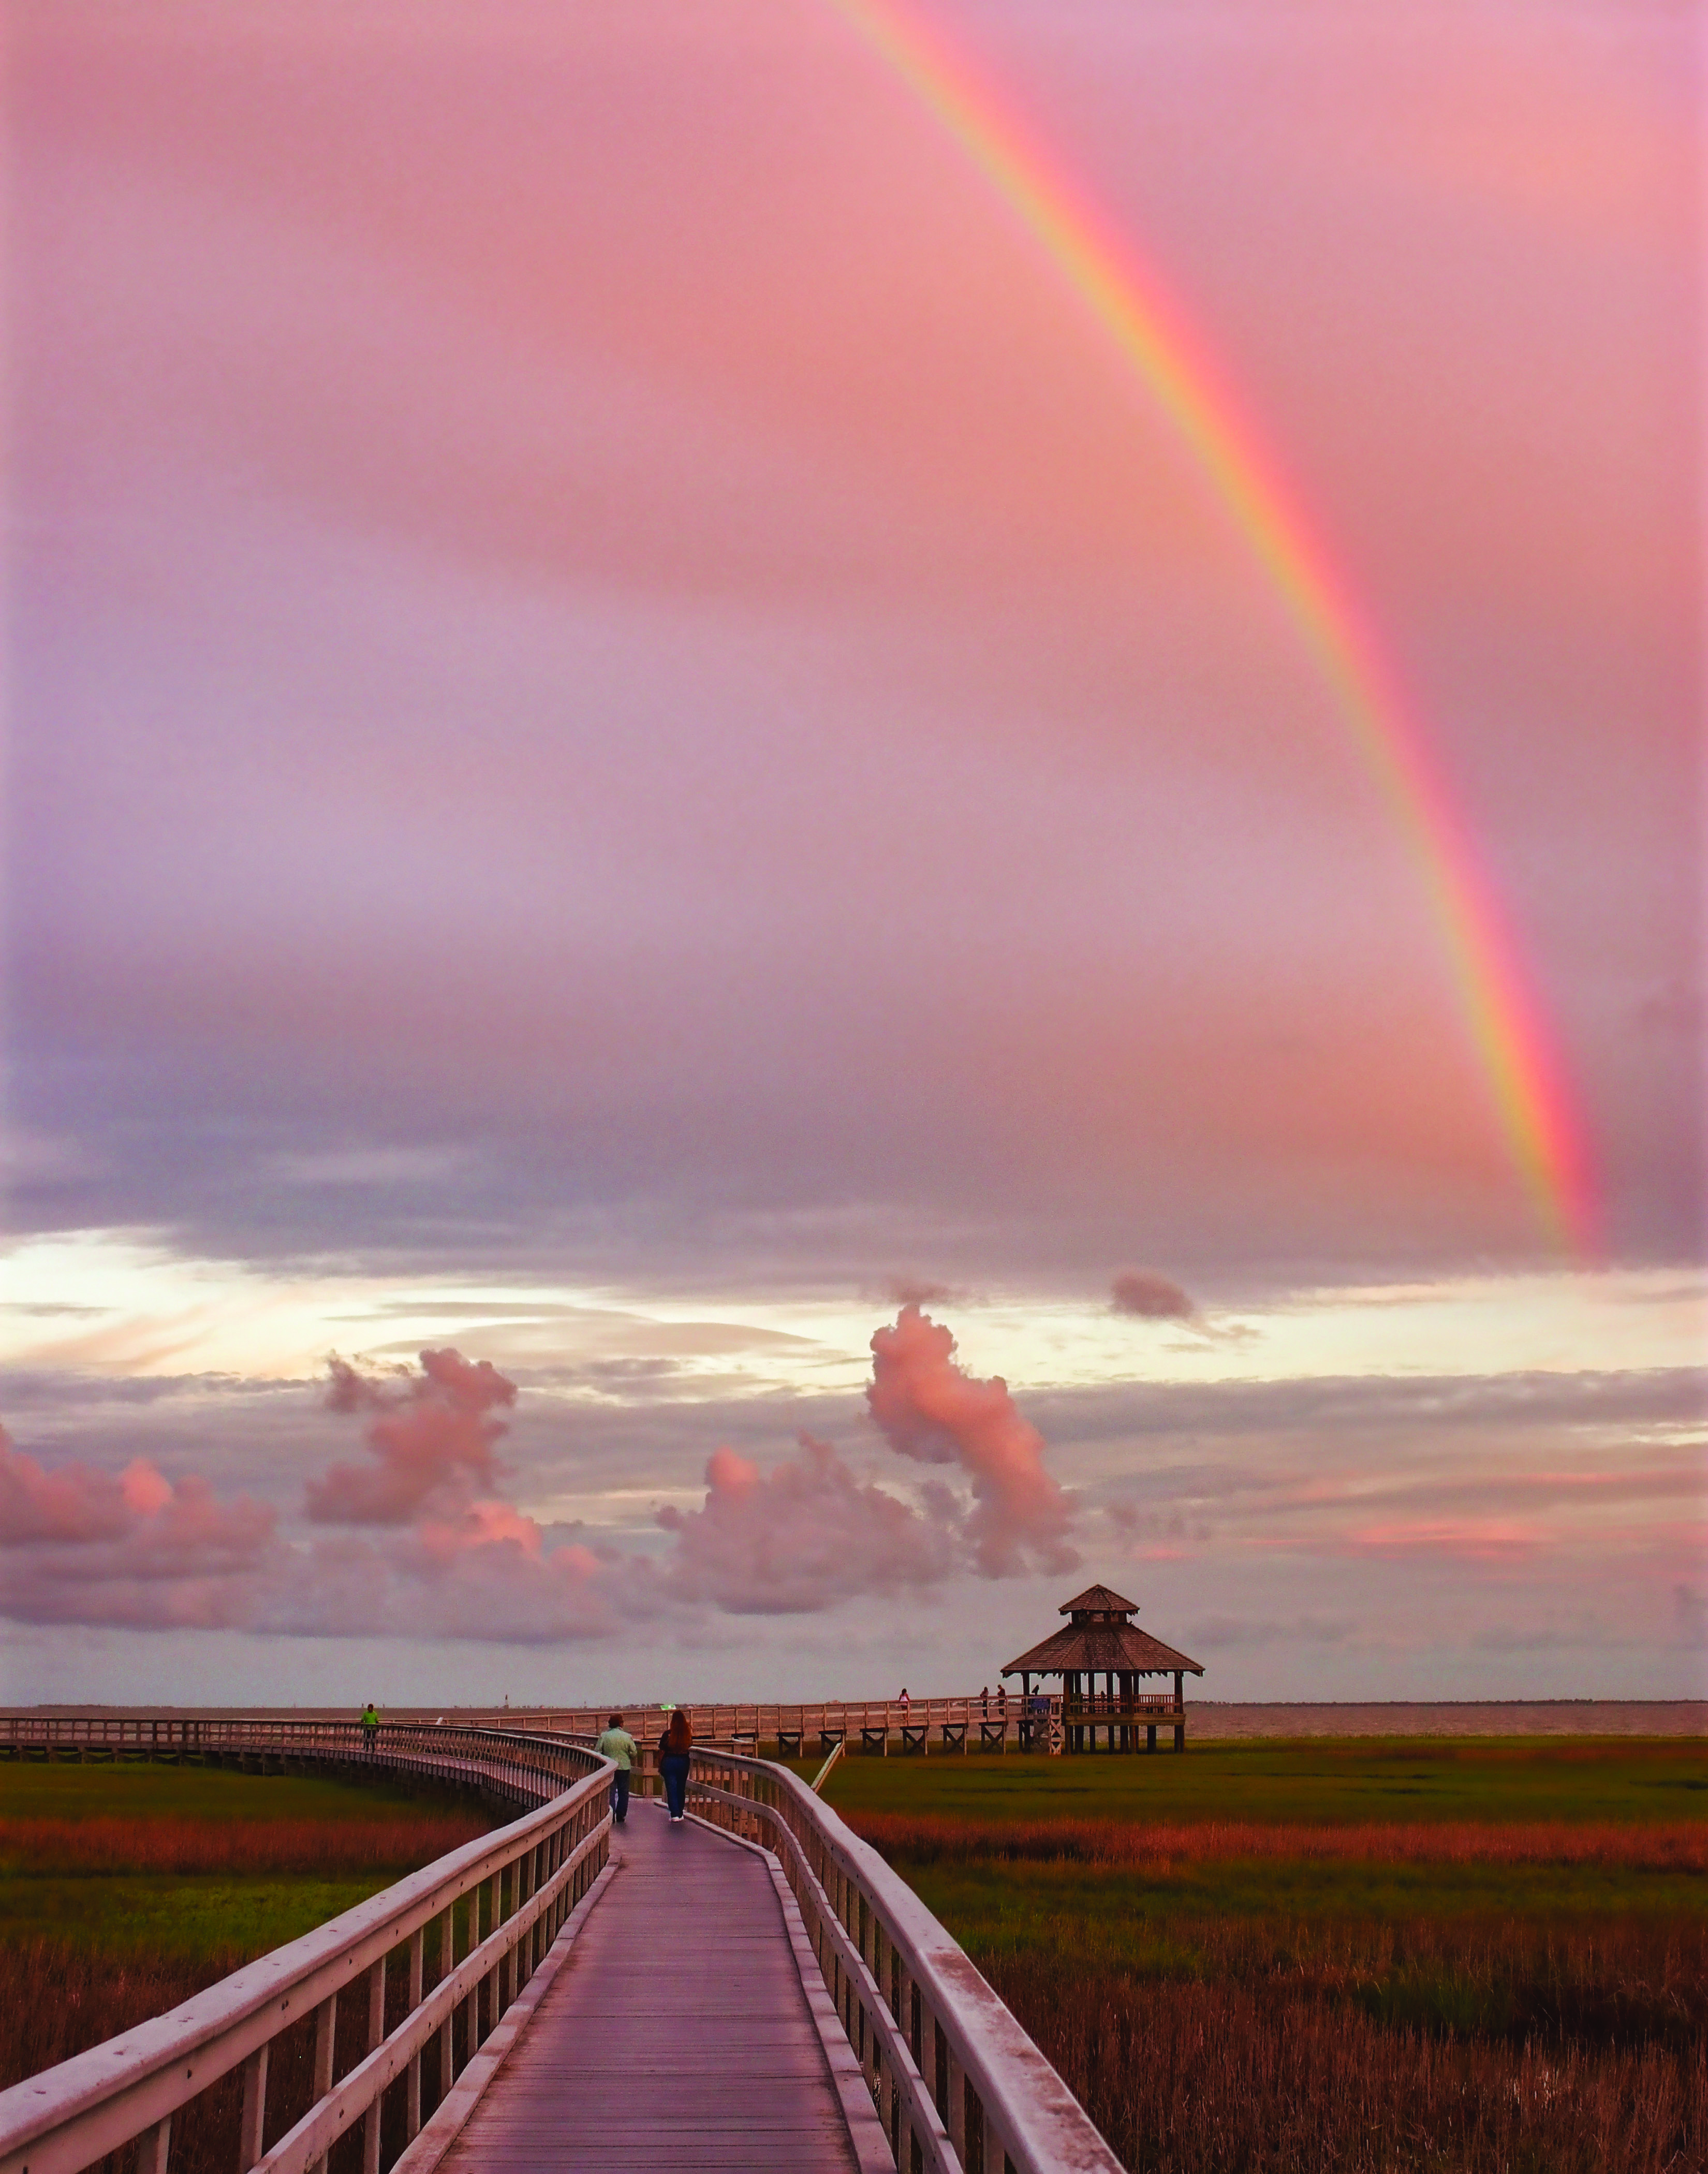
point(816, 809)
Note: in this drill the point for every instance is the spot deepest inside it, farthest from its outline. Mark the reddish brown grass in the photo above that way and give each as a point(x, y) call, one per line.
point(179, 1843)
point(1188, 2078)
point(57, 2000)
point(1156, 1846)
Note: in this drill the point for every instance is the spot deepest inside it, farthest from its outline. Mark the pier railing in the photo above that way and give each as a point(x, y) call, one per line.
point(959, 2085)
point(508, 1893)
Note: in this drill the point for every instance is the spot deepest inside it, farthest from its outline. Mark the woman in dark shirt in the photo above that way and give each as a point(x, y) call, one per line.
point(673, 1761)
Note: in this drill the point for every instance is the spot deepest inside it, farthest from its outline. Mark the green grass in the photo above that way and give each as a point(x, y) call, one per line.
point(141, 1791)
point(1075, 1910)
point(1350, 1956)
point(177, 1916)
point(1317, 1780)
point(189, 1915)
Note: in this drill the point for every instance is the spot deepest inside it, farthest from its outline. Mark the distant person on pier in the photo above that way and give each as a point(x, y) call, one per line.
point(617, 1745)
point(673, 1747)
point(904, 1702)
point(370, 1727)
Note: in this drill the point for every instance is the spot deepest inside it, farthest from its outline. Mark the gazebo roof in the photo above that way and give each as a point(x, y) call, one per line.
point(1098, 1600)
point(1101, 1636)
point(1094, 1647)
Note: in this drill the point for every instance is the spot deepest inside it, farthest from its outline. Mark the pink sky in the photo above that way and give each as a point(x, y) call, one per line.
point(611, 686)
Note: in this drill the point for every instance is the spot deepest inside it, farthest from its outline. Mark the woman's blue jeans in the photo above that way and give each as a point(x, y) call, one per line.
point(674, 1766)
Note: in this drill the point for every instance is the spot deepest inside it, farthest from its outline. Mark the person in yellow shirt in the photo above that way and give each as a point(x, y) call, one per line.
point(617, 1745)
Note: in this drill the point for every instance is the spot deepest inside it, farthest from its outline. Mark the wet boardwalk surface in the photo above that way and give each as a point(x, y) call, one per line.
point(677, 2033)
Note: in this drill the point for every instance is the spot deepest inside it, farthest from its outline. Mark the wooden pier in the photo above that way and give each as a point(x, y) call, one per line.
point(679, 2029)
point(752, 1988)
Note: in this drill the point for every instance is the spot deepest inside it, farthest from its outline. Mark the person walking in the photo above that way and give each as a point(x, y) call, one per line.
point(617, 1745)
point(370, 1728)
point(674, 1747)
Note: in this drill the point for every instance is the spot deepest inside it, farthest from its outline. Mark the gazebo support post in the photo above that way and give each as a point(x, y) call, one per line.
point(1180, 1710)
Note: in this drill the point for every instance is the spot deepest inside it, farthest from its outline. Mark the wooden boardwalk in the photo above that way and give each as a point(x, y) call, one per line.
point(678, 2031)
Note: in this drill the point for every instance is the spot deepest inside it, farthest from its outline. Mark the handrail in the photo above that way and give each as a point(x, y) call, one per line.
point(988, 1720)
point(520, 1883)
point(960, 2086)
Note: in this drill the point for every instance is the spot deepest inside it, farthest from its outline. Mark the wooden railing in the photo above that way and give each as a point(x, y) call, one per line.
point(970, 1721)
point(516, 1888)
point(959, 2085)
point(1103, 1705)
point(963, 1721)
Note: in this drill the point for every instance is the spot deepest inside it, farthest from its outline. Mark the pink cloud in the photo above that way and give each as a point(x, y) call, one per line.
point(931, 1409)
point(809, 1534)
point(1482, 1540)
point(140, 1551)
point(484, 1575)
point(135, 1550)
point(432, 1434)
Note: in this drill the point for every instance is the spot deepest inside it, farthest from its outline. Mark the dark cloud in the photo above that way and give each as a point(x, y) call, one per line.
point(1148, 1297)
point(916, 1290)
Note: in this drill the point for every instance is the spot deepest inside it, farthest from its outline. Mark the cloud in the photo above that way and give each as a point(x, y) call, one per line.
point(930, 1409)
point(1456, 1539)
point(485, 1574)
point(916, 1290)
point(804, 1536)
point(1212, 1631)
point(133, 1550)
point(430, 1434)
point(1148, 1297)
point(138, 1551)
point(1690, 1615)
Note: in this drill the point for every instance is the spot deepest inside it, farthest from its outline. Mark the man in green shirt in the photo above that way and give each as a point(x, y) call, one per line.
point(370, 1727)
point(617, 1744)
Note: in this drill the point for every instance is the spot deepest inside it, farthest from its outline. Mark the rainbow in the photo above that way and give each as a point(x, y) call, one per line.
point(1525, 1079)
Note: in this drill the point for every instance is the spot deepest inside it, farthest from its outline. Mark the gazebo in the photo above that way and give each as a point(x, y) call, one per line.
point(1102, 1639)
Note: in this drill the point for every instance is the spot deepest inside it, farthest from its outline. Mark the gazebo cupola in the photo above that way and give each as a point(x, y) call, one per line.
point(1098, 1604)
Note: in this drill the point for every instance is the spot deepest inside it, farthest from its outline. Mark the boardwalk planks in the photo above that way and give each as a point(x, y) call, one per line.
point(679, 2028)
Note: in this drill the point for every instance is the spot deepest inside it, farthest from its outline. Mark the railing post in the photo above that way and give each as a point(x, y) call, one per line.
point(447, 1963)
point(156, 2142)
point(488, 1888)
point(249, 2145)
point(417, 1946)
point(326, 2021)
point(954, 2091)
point(377, 2033)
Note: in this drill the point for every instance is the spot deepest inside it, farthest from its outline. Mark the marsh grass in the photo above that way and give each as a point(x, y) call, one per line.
point(1357, 1958)
point(1159, 1845)
point(180, 1843)
point(1625, 1781)
point(57, 1998)
point(1189, 2077)
point(125, 1892)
